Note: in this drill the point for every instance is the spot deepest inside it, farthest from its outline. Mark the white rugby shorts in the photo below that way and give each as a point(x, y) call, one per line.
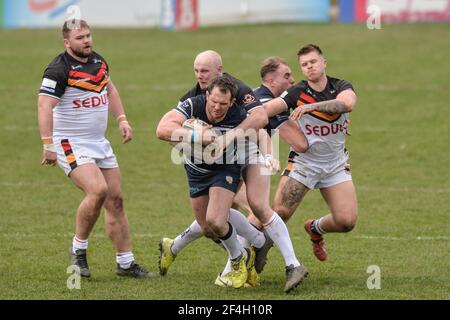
point(318, 176)
point(74, 153)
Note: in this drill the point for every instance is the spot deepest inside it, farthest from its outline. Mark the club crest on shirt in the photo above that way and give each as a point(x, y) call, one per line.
point(229, 179)
point(248, 98)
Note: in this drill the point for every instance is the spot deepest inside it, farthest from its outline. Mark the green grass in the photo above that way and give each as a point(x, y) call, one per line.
point(399, 156)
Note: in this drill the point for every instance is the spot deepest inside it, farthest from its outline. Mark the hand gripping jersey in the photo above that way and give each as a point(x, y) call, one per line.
point(325, 133)
point(196, 108)
point(82, 111)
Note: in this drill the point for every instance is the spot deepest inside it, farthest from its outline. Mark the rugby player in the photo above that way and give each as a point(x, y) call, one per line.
point(75, 96)
point(208, 64)
point(213, 185)
point(321, 105)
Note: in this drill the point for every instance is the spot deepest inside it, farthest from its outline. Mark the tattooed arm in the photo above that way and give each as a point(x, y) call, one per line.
point(344, 102)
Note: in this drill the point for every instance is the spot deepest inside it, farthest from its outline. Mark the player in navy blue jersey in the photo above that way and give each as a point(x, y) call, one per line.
point(276, 76)
point(208, 64)
point(213, 185)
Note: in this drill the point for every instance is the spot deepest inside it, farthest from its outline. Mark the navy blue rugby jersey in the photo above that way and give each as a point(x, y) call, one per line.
point(264, 94)
point(245, 97)
point(195, 107)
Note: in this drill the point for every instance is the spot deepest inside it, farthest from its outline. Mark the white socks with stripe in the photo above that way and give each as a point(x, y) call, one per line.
point(124, 259)
point(237, 219)
point(192, 233)
point(278, 232)
point(78, 244)
point(316, 226)
point(245, 229)
point(231, 243)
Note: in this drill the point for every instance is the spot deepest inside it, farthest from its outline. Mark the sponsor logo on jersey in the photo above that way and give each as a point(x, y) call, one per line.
point(92, 102)
point(326, 130)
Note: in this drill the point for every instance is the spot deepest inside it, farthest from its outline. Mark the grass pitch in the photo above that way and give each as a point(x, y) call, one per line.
point(399, 155)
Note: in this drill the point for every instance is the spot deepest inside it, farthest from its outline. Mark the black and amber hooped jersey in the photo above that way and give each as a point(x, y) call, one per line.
point(325, 133)
point(81, 88)
point(302, 93)
point(65, 71)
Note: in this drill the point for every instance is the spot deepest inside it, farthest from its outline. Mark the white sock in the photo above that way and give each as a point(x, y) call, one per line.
point(189, 235)
point(245, 243)
point(278, 232)
point(124, 259)
point(78, 244)
point(316, 226)
point(231, 243)
point(245, 229)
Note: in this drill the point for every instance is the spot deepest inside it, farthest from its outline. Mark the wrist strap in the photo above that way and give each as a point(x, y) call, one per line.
point(49, 147)
point(47, 140)
point(121, 118)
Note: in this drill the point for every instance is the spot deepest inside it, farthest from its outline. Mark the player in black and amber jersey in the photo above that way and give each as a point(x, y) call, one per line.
point(321, 106)
point(74, 99)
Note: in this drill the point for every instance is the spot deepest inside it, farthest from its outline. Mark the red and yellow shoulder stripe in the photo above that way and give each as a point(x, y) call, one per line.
point(306, 99)
point(88, 81)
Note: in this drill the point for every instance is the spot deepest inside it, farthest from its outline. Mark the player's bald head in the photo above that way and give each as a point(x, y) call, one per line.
point(207, 66)
point(209, 57)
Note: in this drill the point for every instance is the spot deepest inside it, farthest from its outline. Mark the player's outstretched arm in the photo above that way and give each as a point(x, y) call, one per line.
point(45, 121)
point(291, 133)
point(257, 119)
point(118, 112)
point(266, 148)
point(275, 106)
point(344, 102)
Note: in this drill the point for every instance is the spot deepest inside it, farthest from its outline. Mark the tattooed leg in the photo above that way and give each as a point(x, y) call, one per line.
point(289, 194)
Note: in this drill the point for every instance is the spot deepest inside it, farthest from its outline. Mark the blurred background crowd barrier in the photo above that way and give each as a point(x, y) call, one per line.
point(192, 14)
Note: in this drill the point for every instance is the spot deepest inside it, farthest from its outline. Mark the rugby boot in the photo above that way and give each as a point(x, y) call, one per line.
point(294, 276)
point(253, 279)
point(79, 259)
point(166, 257)
point(134, 271)
point(261, 254)
point(237, 277)
point(318, 243)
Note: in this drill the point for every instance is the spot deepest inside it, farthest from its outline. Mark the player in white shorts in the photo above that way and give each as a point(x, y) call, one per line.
point(75, 97)
point(81, 152)
point(321, 105)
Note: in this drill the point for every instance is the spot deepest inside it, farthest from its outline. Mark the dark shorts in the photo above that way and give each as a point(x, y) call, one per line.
point(199, 182)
